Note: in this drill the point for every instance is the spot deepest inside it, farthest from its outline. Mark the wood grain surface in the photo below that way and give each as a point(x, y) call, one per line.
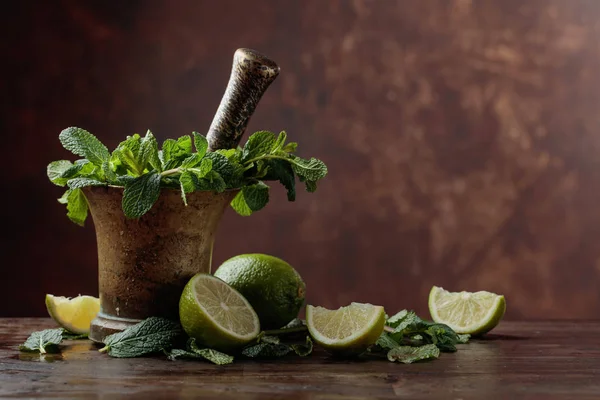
point(519, 360)
point(462, 138)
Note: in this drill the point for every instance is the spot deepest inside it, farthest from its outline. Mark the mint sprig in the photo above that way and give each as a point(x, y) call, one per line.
point(48, 340)
point(143, 170)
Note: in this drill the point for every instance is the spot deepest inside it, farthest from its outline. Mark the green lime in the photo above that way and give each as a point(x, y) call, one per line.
point(76, 314)
point(465, 312)
point(216, 315)
point(273, 287)
point(349, 330)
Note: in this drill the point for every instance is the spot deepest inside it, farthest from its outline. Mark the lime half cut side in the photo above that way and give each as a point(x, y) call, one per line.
point(465, 312)
point(217, 315)
point(76, 314)
point(350, 329)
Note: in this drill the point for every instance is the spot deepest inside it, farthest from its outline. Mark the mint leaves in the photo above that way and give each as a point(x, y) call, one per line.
point(152, 335)
point(185, 164)
point(84, 144)
point(141, 194)
point(408, 354)
point(407, 338)
point(47, 341)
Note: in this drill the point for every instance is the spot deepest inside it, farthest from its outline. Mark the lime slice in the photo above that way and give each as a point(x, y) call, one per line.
point(76, 314)
point(217, 315)
point(349, 329)
point(465, 312)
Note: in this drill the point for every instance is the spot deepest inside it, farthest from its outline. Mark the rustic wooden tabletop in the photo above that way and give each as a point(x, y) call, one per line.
point(520, 360)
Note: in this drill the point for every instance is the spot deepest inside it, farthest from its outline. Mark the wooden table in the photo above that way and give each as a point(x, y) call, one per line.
point(521, 360)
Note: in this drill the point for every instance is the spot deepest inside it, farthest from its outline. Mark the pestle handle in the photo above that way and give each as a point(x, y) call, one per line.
point(251, 75)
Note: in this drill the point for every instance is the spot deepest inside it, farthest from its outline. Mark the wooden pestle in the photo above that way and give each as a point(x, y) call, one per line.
point(251, 75)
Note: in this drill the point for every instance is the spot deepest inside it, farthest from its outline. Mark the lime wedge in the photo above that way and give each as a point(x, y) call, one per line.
point(465, 312)
point(76, 314)
point(217, 315)
point(351, 329)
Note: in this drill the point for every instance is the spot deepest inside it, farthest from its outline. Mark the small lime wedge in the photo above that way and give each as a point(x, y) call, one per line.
point(465, 312)
point(217, 315)
point(351, 329)
point(76, 314)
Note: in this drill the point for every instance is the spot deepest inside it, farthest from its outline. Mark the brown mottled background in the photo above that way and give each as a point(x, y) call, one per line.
point(462, 138)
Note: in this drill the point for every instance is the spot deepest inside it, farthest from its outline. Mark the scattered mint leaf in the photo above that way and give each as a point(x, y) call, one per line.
point(409, 354)
point(77, 206)
point(251, 198)
point(386, 342)
point(177, 354)
point(295, 323)
point(56, 169)
point(200, 143)
point(141, 194)
point(463, 338)
point(152, 335)
point(83, 182)
point(258, 144)
point(45, 341)
point(214, 356)
point(267, 350)
point(84, 144)
point(305, 349)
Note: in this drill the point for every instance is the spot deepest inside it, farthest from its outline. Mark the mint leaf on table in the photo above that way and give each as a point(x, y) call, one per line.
point(214, 356)
point(77, 206)
point(258, 144)
point(251, 198)
point(303, 349)
point(45, 341)
point(408, 328)
point(152, 335)
point(409, 354)
point(386, 342)
point(84, 144)
point(140, 194)
point(463, 338)
point(268, 347)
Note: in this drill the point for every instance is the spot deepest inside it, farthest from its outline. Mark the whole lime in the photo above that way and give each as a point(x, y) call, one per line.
point(272, 286)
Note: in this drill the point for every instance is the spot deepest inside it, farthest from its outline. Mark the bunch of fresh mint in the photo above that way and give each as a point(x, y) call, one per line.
point(142, 169)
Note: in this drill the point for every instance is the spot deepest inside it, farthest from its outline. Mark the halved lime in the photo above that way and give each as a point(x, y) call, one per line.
point(350, 329)
point(217, 315)
point(465, 312)
point(76, 314)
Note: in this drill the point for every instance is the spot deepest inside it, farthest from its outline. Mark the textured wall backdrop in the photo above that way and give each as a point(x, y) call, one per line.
point(462, 138)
